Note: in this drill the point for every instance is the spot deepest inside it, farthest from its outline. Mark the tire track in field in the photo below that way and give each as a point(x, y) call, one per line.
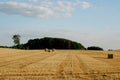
point(70, 69)
point(48, 65)
point(21, 63)
point(82, 65)
point(20, 60)
point(10, 54)
point(93, 64)
point(15, 55)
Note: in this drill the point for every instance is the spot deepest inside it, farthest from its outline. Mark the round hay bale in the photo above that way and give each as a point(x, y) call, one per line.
point(110, 56)
point(46, 50)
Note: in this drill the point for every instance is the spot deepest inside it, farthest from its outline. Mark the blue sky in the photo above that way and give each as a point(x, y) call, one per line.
point(90, 22)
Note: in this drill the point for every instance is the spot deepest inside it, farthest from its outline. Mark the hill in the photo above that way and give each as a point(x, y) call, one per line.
point(57, 43)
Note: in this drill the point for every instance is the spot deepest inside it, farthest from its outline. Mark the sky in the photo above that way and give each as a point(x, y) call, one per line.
point(89, 22)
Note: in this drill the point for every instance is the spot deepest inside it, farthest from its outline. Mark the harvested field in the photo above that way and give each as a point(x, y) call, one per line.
point(58, 65)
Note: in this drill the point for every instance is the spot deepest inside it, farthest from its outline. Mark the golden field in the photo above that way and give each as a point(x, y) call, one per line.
point(58, 65)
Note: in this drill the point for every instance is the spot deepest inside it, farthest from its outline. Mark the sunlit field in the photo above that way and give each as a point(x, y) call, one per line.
point(58, 65)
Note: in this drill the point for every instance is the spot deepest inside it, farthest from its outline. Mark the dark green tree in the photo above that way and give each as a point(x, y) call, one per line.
point(94, 48)
point(16, 39)
point(50, 43)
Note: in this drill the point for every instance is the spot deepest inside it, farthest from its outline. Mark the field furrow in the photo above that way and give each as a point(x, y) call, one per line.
point(7, 61)
point(48, 65)
point(58, 65)
point(93, 64)
point(23, 62)
point(70, 69)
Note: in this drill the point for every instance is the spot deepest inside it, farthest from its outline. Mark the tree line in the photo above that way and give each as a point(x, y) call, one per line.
point(50, 43)
point(57, 43)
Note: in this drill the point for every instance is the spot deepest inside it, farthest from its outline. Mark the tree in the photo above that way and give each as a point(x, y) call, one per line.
point(94, 48)
point(50, 43)
point(16, 39)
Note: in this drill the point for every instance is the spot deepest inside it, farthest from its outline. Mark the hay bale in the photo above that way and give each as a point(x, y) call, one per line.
point(46, 50)
point(49, 50)
point(110, 56)
point(53, 50)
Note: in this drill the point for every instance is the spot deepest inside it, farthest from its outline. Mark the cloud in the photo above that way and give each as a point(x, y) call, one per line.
point(25, 9)
point(42, 9)
point(33, 0)
point(84, 4)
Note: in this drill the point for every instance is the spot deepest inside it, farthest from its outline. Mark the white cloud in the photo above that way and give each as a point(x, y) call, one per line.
point(64, 6)
point(25, 9)
point(33, 0)
point(46, 3)
point(84, 4)
point(42, 9)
